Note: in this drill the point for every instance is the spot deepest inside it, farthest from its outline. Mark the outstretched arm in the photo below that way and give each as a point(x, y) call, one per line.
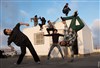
point(48, 34)
point(61, 35)
point(18, 25)
point(21, 23)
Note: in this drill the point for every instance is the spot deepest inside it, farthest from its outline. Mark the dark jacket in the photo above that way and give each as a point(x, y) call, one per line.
point(17, 36)
point(43, 21)
point(55, 37)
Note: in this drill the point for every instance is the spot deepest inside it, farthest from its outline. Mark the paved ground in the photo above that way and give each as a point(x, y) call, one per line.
point(82, 62)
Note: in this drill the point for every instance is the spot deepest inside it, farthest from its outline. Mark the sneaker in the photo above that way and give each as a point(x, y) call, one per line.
point(38, 62)
point(75, 13)
point(63, 58)
point(48, 58)
point(71, 60)
point(16, 64)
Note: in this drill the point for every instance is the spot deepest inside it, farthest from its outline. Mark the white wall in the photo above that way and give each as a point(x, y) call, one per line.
point(85, 41)
point(40, 49)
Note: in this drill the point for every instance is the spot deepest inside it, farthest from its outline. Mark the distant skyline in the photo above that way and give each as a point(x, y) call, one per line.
point(14, 11)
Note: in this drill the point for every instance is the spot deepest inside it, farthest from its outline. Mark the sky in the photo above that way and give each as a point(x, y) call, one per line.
point(14, 11)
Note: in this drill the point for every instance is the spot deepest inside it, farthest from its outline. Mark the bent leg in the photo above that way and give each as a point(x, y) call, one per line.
point(48, 30)
point(79, 27)
point(73, 23)
point(68, 18)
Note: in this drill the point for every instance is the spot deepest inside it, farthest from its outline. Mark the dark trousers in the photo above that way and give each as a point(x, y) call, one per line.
point(50, 29)
point(75, 47)
point(66, 11)
point(52, 47)
point(41, 26)
point(23, 52)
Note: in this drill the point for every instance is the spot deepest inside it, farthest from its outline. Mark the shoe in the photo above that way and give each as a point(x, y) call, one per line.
point(62, 19)
point(71, 60)
point(16, 64)
point(38, 62)
point(75, 14)
point(48, 58)
point(63, 57)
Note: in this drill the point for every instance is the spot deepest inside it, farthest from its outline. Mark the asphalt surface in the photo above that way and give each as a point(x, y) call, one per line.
point(90, 61)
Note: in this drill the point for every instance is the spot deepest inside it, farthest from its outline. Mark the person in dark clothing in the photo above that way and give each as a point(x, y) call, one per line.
point(75, 28)
point(21, 40)
point(66, 9)
point(43, 22)
point(50, 27)
point(55, 39)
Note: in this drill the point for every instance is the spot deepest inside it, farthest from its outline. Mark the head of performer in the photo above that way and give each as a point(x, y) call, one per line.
point(7, 31)
point(48, 21)
point(35, 15)
point(55, 31)
point(66, 5)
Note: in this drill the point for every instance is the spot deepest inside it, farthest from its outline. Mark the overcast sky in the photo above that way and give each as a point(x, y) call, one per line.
point(14, 11)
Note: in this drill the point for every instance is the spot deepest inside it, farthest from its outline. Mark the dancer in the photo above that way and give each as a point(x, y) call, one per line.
point(51, 26)
point(43, 20)
point(75, 28)
point(35, 19)
point(66, 9)
point(22, 41)
point(55, 38)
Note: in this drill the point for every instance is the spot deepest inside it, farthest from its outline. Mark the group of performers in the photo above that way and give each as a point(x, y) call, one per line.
point(70, 35)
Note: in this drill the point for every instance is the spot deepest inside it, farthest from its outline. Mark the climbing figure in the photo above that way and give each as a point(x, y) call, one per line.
point(66, 9)
point(50, 26)
point(43, 21)
point(35, 19)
